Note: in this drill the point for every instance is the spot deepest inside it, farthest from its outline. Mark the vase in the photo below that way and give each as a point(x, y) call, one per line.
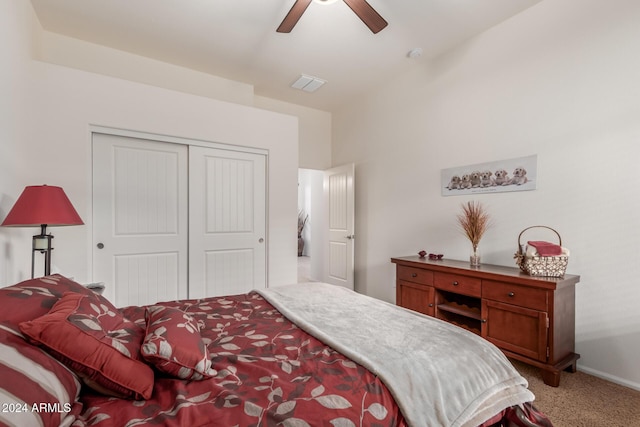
point(474, 256)
point(300, 245)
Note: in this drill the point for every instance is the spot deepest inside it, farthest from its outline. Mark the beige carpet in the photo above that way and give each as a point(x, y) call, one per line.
point(583, 400)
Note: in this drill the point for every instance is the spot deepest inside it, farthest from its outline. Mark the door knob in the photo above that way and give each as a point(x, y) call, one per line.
point(260, 240)
point(100, 245)
point(351, 236)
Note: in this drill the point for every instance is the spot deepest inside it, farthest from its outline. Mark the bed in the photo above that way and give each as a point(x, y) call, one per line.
point(299, 355)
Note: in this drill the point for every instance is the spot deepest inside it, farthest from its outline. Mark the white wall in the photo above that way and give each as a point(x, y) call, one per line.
point(559, 80)
point(62, 50)
point(314, 125)
point(53, 147)
point(314, 131)
point(17, 42)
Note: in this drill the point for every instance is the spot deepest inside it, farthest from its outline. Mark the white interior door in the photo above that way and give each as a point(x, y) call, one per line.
point(340, 207)
point(227, 222)
point(140, 207)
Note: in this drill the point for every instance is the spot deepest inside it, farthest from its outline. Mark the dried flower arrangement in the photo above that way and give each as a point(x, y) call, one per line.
point(474, 222)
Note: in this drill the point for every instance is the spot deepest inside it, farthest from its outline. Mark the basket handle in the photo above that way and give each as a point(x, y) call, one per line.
point(537, 226)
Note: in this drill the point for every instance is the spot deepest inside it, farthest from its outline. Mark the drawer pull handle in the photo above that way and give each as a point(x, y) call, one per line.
point(511, 294)
point(414, 274)
point(484, 320)
point(455, 283)
point(430, 305)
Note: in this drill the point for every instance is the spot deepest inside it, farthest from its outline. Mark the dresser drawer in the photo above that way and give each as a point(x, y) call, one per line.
point(416, 275)
point(459, 284)
point(522, 296)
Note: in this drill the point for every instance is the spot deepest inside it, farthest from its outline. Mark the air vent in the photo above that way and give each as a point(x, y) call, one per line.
point(308, 83)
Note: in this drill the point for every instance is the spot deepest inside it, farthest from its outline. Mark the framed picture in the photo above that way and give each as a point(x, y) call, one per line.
point(519, 174)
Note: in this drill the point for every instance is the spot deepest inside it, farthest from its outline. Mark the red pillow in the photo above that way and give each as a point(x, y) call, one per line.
point(90, 336)
point(34, 298)
point(35, 388)
point(174, 346)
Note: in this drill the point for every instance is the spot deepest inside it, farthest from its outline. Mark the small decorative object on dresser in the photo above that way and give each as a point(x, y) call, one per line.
point(531, 319)
point(474, 222)
point(539, 258)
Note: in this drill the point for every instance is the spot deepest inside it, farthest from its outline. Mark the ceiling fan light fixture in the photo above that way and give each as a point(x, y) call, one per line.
point(325, 1)
point(308, 83)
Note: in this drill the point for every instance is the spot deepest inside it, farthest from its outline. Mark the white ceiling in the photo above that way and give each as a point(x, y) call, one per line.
point(237, 39)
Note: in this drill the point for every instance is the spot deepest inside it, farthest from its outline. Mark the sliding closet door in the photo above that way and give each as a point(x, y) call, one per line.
point(227, 226)
point(140, 228)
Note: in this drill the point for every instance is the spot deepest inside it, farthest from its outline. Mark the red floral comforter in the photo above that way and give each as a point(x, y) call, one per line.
point(269, 372)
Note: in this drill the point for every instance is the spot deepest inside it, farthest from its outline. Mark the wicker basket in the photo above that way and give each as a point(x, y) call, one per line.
point(549, 266)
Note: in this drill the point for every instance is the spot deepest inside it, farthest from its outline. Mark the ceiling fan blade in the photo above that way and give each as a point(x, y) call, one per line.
point(367, 14)
point(293, 16)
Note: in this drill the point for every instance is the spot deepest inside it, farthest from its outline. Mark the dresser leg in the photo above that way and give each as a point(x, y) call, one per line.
point(551, 377)
point(551, 374)
point(572, 368)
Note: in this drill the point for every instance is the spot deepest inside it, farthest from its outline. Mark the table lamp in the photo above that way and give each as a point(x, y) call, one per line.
point(42, 206)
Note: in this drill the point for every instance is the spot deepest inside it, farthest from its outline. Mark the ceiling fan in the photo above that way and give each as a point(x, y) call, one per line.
point(365, 12)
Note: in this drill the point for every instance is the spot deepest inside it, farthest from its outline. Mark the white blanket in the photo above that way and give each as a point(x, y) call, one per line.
point(439, 374)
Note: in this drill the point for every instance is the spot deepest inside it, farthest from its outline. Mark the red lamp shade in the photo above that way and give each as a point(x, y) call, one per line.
point(42, 204)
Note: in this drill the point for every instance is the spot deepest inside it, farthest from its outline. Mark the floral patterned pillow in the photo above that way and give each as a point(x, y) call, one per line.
point(34, 298)
point(89, 335)
point(173, 344)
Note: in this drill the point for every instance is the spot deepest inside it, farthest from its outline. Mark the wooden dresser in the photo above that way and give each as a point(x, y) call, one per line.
point(531, 319)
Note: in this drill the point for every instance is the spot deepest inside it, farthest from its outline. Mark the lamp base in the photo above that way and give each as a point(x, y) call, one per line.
point(42, 243)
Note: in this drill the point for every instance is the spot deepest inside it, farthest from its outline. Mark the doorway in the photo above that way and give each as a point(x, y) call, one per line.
point(327, 197)
point(311, 203)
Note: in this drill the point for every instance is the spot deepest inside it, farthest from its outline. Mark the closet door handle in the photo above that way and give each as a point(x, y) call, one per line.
point(100, 245)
